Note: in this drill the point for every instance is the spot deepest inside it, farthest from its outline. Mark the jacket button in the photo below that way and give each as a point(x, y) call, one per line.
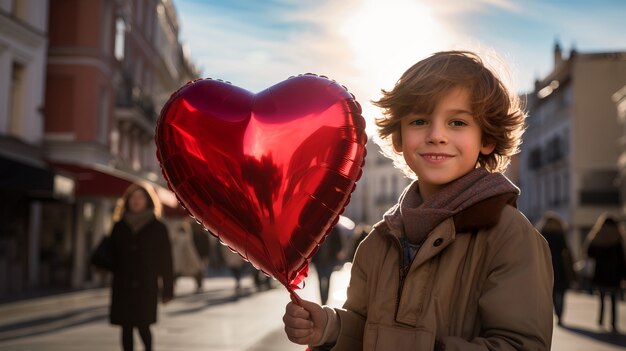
point(438, 242)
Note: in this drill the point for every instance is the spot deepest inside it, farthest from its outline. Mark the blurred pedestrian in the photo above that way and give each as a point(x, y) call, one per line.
point(235, 263)
point(203, 247)
point(605, 245)
point(262, 281)
point(326, 260)
point(187, 262)
point(553, 229)
point(360, 232)
point(142, 255)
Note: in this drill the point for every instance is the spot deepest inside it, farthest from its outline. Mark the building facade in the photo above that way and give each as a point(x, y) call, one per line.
point(568, 162)
point(30, 189)
point(111, 66)
point(77, 121)
point(378, 189)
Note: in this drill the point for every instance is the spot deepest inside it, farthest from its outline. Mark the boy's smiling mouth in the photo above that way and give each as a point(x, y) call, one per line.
point(432, 157)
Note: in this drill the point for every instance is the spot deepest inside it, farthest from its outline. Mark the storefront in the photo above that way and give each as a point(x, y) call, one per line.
point(97, 189)
point(31, 250)
point(52, 216)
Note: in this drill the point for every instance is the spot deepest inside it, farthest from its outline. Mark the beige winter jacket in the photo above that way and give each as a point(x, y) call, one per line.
point(484, 290)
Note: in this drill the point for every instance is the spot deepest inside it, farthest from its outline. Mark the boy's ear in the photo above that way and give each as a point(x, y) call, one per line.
point(487, 148)
point(396, 140)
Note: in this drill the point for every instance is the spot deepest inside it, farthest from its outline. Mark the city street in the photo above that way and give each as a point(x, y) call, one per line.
point(261, 121)
point(219, 320)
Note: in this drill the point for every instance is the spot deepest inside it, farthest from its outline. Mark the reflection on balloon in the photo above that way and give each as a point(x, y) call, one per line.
point(267, 173)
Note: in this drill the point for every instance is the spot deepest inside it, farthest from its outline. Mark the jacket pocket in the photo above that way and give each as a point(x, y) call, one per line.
point(385, 338)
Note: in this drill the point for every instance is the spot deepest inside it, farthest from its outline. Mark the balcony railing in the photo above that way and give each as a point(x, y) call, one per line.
point(132, 96)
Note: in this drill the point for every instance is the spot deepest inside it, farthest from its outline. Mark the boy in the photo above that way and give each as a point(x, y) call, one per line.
point(454, 265)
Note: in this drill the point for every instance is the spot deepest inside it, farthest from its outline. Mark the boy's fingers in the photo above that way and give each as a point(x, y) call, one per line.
point(298, 336)
point(298, 333)
point(297, 322)
point(308, 305)
point(297, 311)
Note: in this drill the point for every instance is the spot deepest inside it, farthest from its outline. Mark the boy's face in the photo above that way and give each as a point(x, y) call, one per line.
point(444, 145)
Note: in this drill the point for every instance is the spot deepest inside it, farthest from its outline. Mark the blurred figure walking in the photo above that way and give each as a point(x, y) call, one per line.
point(326, 260)
point(142, 255)
point(235, 263)
point(187, 262)
point(262, 281)
point(203, 247)
point(605, 245)
point(360, 232)
point(553, 228)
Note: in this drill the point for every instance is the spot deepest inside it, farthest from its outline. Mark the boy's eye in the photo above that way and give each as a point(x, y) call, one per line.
point(458, 123)
point(418, 122)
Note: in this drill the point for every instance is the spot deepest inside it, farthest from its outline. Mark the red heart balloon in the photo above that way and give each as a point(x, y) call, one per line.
point(267, 173)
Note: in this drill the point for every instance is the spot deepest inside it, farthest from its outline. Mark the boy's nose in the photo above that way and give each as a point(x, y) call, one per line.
point(436, 135)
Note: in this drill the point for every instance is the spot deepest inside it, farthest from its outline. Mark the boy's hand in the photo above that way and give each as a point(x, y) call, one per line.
point(304, 324)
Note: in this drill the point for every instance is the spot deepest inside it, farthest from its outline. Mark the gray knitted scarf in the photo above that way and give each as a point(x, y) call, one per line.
point(415, 219)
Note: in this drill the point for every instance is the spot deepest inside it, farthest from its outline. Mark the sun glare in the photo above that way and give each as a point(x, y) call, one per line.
point(388, 37)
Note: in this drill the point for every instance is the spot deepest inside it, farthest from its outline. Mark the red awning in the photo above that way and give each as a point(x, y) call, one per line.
point(91, 181)
point(105, 181)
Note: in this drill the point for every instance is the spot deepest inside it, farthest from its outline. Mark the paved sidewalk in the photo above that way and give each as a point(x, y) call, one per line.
point(218, 319)
point(581, 332)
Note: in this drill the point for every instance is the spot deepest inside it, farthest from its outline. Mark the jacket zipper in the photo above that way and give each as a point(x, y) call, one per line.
point(402, 271)
point(401, 275)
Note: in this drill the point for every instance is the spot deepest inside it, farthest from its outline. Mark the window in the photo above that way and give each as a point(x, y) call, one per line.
point(124, 146)
point(19, 9)
point(381, 196)
point(383, 186)
point(136, 154)
point(120, 35)
point(540, 192)
point(537, 197)
point(393, 195)
point(103, 115)
point(114, 139)
point(534, 159)
point(554, 150)
point(138, 73)
point(107, 23)
point(149, 21)
point(547, 190)
point(16, 117)
point(566, 187)
point(139, 13)
point(557, 189)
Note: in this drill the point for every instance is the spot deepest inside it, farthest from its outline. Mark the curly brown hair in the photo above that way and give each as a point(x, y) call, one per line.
point(498, 112)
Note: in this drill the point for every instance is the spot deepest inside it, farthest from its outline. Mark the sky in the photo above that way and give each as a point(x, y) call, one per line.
point(366, 45)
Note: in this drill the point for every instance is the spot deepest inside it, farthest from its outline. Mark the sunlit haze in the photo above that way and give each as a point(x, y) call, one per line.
point(367, 44)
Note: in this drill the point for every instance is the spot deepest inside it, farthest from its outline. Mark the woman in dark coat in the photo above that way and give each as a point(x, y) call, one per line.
point(142, 254)
point(553, 228)
point(605, 245)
